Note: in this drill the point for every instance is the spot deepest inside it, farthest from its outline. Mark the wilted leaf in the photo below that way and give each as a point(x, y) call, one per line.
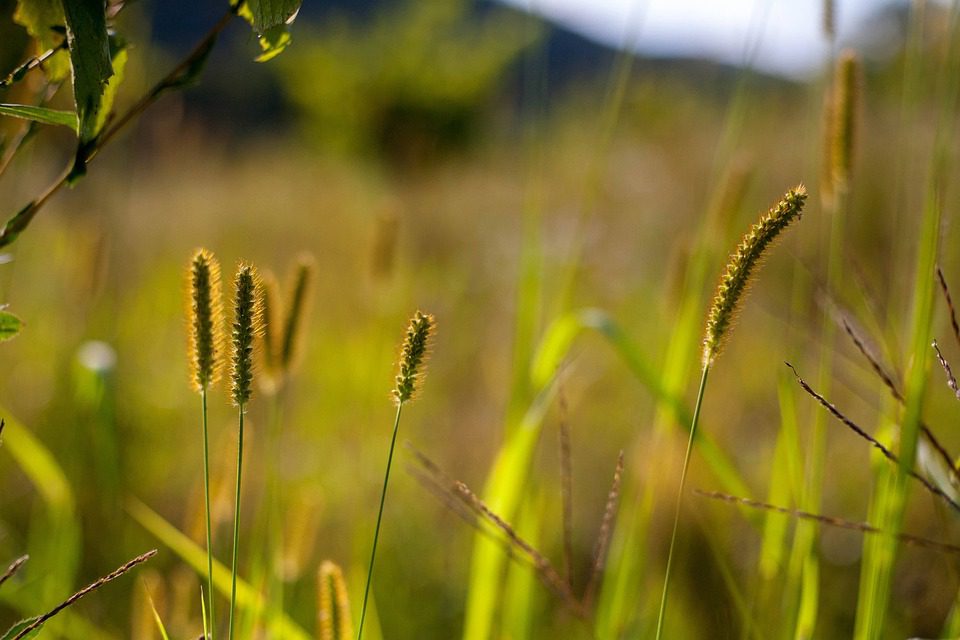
point(40, 114)
point(10, 325)
point(43, 19)
point(90, 55)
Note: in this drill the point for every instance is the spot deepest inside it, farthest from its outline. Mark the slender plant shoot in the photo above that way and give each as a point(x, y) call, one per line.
point(730, 292)
point(247, 326)
point(205, 313)
point(413, 357)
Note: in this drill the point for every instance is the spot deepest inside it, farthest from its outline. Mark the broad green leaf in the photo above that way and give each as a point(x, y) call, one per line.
point(43, 19)
point(10, 325)
point(41, 114)
point(13, 631)
point(90, 56)
point(273, 39)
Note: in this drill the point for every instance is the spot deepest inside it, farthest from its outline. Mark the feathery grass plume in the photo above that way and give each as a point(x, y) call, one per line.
point(736, 279)
point(205, 313)
point(291, 347)
point(416, 347)
point(333, 612)
point(413, 357)
point(846, 92)
point(247, 326)
point(827, 186)
point(270, 303)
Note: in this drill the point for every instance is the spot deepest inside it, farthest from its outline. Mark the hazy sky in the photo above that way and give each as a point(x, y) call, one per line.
point(787, 32)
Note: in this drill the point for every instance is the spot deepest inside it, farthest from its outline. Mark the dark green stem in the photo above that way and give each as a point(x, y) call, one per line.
point(376, 531)
point(236, 526)
point(676, 515)
point(206, 500)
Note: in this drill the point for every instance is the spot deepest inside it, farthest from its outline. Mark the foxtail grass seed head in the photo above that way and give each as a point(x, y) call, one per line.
point(829, 19)
point(296, 313)
point(333, 613)
point(846, 92)
point(205, 313)
point(247, 326)
point(270, 304)
point(413, 357)
point(741, 267)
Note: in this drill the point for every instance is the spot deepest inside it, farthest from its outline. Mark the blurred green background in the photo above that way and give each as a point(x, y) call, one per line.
point(473, 162)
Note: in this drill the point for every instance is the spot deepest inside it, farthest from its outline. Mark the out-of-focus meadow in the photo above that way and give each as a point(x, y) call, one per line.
point(558, 219)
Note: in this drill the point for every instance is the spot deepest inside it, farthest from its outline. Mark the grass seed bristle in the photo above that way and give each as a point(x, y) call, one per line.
point(247, 326)
point(205, 314)
point(740, 269)
point(413, 357)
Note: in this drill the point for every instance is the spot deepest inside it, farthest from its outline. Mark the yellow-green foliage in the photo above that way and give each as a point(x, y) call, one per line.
point(419, 75)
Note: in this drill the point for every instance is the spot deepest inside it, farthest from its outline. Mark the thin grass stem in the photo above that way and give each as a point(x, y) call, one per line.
point(683, 481)
point(236, 523)
point(206, 504)
point(376, 531)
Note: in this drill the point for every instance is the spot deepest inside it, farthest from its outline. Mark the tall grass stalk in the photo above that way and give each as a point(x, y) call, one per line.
point(730, 292)
point(413, 357)
point(246, 327)
point(205, 315)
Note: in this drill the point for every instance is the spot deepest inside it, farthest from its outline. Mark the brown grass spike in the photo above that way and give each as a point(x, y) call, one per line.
point(889, 455)
point(40, 620)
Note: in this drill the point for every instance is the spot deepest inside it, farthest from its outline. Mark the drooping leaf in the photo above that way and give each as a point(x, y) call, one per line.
point(267, 14)
point(15, 630)
point(43, 20)
point(10, 325)
point(90, 57)
point(119, 59)
point(273, 36)
point(17, 223)
point(40, 114)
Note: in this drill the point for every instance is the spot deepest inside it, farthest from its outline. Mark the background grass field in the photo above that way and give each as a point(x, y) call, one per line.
point(507, 227)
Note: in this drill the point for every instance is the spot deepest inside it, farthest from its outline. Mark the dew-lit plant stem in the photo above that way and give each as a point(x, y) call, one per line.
point(236, 522)
point(206, 503)
point(683, 480)
point(376, 531)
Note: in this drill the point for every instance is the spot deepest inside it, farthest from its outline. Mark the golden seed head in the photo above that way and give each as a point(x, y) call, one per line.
point(413, 357)
point(205, 318)
point(845, 110)
point(333, 613)
point(291, 348)
point(270, 303)
point(247, 326)
point(741, 267)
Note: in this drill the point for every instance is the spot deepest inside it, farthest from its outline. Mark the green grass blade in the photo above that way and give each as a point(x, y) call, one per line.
point(247, 597)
